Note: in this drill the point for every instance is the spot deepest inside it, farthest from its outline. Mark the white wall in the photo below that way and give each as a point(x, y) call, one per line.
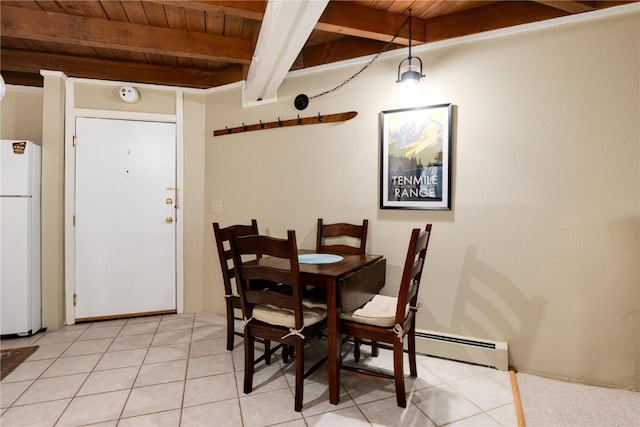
point(541, 248)
point(21, 114)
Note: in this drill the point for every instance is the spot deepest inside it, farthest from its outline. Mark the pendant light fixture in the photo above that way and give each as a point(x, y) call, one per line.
point(302, 100)
point(408, 70)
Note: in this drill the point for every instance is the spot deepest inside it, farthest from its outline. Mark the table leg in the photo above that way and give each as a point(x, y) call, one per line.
point(334, 341)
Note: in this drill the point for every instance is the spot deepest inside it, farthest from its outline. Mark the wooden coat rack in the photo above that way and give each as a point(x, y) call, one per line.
point(311, 120)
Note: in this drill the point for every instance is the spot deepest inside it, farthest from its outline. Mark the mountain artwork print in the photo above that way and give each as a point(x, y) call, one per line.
point(415, 158)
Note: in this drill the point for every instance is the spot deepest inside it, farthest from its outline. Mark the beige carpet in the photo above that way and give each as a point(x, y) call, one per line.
point(551, 403)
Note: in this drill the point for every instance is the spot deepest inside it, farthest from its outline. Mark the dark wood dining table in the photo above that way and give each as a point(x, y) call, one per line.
point(328, 276)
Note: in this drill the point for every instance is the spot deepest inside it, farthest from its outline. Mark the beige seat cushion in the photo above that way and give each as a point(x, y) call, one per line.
point(313, 303)
point(380, 311)
point(283, 317)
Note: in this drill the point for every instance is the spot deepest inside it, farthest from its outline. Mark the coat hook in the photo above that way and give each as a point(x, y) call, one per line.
point(244, 126)
point(279, 122)
point(299, 119)
point(261, 125)
point(320, 117)
point(228, 130)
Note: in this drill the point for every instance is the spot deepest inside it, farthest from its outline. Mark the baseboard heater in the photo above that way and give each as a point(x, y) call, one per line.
point(464, 349)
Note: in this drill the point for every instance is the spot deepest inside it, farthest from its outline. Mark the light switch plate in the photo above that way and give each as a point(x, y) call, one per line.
point(216, 206)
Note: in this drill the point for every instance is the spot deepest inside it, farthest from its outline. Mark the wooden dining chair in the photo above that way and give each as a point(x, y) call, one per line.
point(391, 320)
point(273, 315)
point(231, 294)
point(330, 238)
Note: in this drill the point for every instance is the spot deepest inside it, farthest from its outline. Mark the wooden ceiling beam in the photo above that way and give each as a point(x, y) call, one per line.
point(495, 16)
point(23, 79)
point(471, 21)
point(252, 9)
point(364, 22)
point(57, 27)
point(373, 29)
point(340, 50)
point(337, 18)
point(31, 62)
point(569, 6)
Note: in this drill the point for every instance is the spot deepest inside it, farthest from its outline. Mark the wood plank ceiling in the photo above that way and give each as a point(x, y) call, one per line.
point(208, 43)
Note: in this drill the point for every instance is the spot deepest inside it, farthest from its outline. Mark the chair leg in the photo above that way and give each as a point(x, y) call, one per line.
point(267, 352)
point(398, 373)
point(249, 347)
point(288, 352)
point(292, 350)
point(411, 336)
point(230, 325)
point(356, 349)
point(299, 375)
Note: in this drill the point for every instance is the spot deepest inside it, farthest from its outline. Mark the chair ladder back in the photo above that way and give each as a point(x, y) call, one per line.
point(341, 229)
point(289, 275)
point(222, 257)
point(268, 273)
point(225, 256)
point(266, 296)
point(403, 327)
point(413, 291)
point(279, 264)
point(412, 273)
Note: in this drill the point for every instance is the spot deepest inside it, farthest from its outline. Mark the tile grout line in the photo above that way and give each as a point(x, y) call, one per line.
point(237, 379)
point(133, 383)
point(83, 382)
point(186, 371)
point(92, 369)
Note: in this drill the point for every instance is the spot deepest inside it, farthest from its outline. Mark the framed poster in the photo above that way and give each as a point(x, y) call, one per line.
point(415, 158)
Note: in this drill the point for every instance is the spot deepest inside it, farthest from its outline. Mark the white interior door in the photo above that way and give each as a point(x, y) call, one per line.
point(125, 217)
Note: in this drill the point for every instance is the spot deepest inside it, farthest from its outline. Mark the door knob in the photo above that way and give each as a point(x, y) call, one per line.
point(169, 220)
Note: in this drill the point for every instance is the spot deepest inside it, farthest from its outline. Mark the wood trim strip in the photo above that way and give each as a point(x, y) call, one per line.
point(517, 403)
point(123, 316)
point(312, 120)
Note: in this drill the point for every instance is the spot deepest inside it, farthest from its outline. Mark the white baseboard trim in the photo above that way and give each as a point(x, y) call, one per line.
point(465, 349)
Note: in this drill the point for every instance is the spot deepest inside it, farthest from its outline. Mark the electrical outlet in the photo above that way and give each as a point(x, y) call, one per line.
point(216, 206)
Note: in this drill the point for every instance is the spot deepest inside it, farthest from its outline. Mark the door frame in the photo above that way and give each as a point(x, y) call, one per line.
point(71, 114)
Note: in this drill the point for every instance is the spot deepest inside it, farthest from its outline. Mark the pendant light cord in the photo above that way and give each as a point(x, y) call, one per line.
point(395, 36)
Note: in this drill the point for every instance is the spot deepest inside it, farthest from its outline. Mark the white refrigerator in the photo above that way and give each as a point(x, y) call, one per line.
point(20, 238)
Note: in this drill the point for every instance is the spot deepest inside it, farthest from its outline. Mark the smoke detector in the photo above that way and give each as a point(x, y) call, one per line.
point(129, 94)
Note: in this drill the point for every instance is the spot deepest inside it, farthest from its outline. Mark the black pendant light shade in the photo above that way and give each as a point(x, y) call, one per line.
point(410, 68)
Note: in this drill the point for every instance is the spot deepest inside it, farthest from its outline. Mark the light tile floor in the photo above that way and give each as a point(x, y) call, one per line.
point(174, 370)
